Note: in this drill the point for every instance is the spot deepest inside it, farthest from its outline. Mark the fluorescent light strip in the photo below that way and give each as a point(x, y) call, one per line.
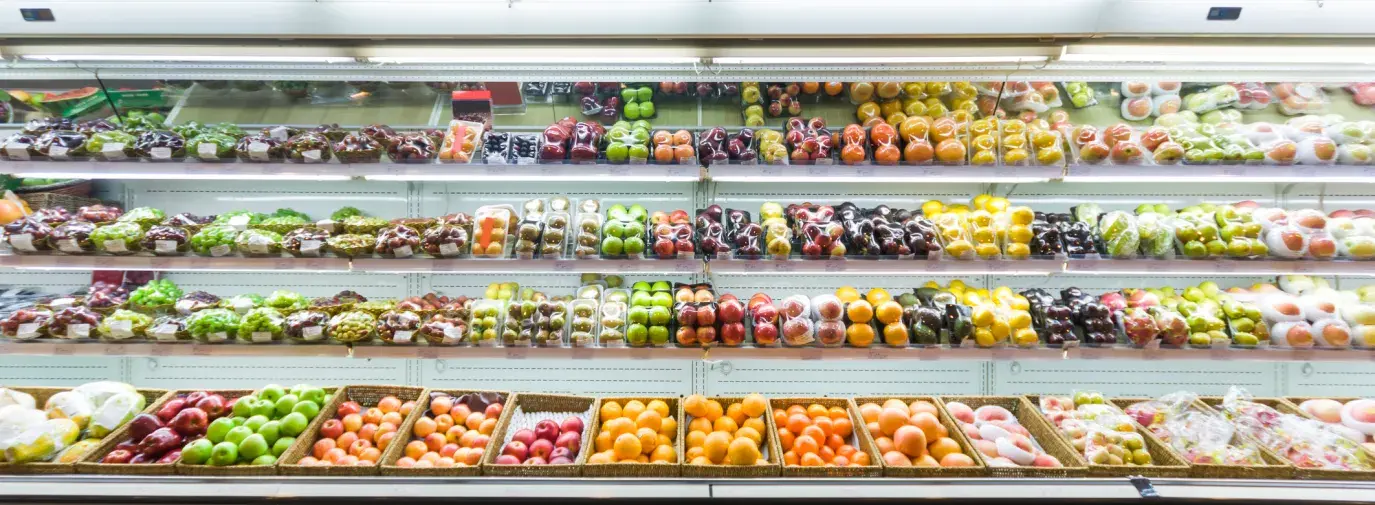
point(1223, 273)
point(193, 58)
point(1262, 54)
point(552, 59)
point(1218, 178)
point(853, 60)
point(1018, 273)
point(527, 177)
point(184, 176)
point(852, 178)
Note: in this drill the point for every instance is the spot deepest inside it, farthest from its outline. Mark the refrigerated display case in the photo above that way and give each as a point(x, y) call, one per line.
point(1001, 243)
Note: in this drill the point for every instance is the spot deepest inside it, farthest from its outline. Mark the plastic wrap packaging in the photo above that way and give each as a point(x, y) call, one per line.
point(444, 330)
point(984, 235)
point(214, 241)
point(358, 148)
point(351, 327)
point(257, 242)
point(117, 238)
point(954, 233)
point(398, 327)
point(20, 147)
point(60, 146)
point(260, 149)
point(52, 216)
point(166, 241)
point(1306, 443)
point(168, 329)
point(307, 242)
point(26, 324)
point(28, 235)
point(797, 327)
point(213, 325)
point(809, 142)
point(308, 147)
point(1252, 96)
point(445, 241)
point(492, 224)
point(556, 140)
point(1202, 438)
point(187, 221)
point(305, 325)
point(261, 325)
point(461, 141)
point(1196, 235)
point(145, 217)
point(1300, 98)
point(1217, 97)
point(485, 322)
point(99, 214)
point(397, 242)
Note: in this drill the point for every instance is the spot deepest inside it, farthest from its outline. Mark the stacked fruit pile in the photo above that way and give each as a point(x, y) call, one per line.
point(734, 435)
point(246, 430)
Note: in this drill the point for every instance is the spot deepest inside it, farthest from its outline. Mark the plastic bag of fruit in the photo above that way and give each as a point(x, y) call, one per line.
point(305, 326)
point(1307, 443)
point(213, 325)
point(443, 329)
point(398, 327)
point(797, 327)
point(27, 235)
point(26, 324)
point(350, 327)
point(168, 329)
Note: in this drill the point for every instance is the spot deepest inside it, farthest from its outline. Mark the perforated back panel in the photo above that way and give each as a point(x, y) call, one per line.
point(1132, 378)
point(48, 282)
point(1097, 284)
point(316, 199)
point(1061, 196)
point(552, 284)
point(812, 284)
point(308, 284)
point(58, 370)
point(440, 198)
point(845, 378)
point(588, 377)
point(1330, 379)
point(179, 372)
point(749, 196)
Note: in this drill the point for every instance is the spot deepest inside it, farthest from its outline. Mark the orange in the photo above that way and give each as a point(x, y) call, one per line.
point(928, 424)
point(826, 453)
point(895, 334)
point(695, 406)
point(824, 424)
point(811, 459)
point(840, 461)
point(796, 409)
point(756, 423)
point(890, 420)
point(873, 429)
point(852, 154)
point(664, 453)
point(834, 88)
point(790, 458)
point(883, 134)
point(785, 438)
point(780, 417)
point(860, 458)
point(725, 424)
point(835, 442)
point(632, 409)
point(714, 410)
point(700, 460)
point(648, 439)
point(716, 446)
point(619, 426)
point(956, 460)
point(487, 426)
point(910, 440)
point(860, 311)
point(626, 446)
point(603, 441)
point(950, 151)
point(736, 413)
point(668, 426)
point(942, 447)
point(888, 312)
point(842, 427)
point(805, 444)
point(749, 433)
point(896, 458)
point(869, 412)
point(700, 424)
point(798, 422)
point(926, 460)
point(894, 403)
point(918, 151)
point(816, 410)
point(693, 453)
point(610, 410)
point(659, 407)
point(860, 335)
point(649, 419)
point(845, 451)
point(600, 458)
point(924, 406)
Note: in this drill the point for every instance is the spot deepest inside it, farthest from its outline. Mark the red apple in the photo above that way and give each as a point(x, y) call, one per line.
point(213, 405)
point(507, 459)
point(349, 407)
point(118, 456)
point(731, 310)
point(171, 408)
point(706, 315)
point(687, 314)
point(547, 430)
point(733, 333)
point(525, 437)
point(560, 452)
point(573, 424)
point(189, 422)
point(515, 449)
point(332, 428)
point(195, 397)
point(536, 461)
point(765, 334)
point(766, 313)
point(541, 449)
point(706, 335)
point(664, 248)
point(569, 441)
point(143, 424)
point(686, 335)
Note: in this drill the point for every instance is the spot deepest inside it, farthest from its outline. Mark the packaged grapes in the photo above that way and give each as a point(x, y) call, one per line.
point(166, 241)
point(61, 145)
point(196, 301)
point(412, 148)
point(72, 237)
point(261, 325)
point(73, 323)
point(168, 328)
point(26, 324)
point(357, 148)
point(351, 327)
point(160, 145)
point(108, 146)
point(214, 241)
point(118, 238)
point(28, 235)
point(260, 149)
point(258, 242)
point(305, 242)
point(398, 241)
point(398, 327)
point(308, 147)
point(305, 326)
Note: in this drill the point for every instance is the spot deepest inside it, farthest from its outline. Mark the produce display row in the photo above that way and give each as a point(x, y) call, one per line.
point(555, 227)
point(1298, 312)
point(361, 430)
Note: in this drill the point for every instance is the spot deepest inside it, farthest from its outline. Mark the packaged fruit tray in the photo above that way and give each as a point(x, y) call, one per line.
point(858, 438)
point(248, 470)
point(425, 407)
point(165, 412)
point(40, 397)
point(661, 463)
point(694, 402)
point(533, 405)
point(1313, 408)
point(1285, 407)
point(1065, 463)
point(972, 463)
point(1273, 466)
point(368, 398)
point(1165, 462)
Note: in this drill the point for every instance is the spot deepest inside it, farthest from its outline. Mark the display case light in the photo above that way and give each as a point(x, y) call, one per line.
point(537, 59)
point(185, 58)
point(880, 60)
point(209, 176)
point(1347, 54)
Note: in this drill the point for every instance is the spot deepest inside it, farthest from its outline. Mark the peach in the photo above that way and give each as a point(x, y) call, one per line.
point(956, 459)
point(910, 440)
point(920, 406)
point(960, 412)
point(1046, 460)
point(971, 431)
point(926, 460)
point(986, 447)
point(927, 423)
point(895, 458)
point(885, 445)
point(1328, 411)
point(869, 412)
point(891, 419)
point(992, 413)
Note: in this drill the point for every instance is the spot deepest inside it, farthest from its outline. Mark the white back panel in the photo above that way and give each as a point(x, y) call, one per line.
point(844, 378)
point(750, 195)
point(58, 370)
point(1060, 197)
point(1098, 284)
point(1132, 378)
point(779, 286)
point(552, 284)
point(252, 373)
point(440, 198)
point(308, 284)
point(1330, 379)
point(47, 281)
point(586, 377)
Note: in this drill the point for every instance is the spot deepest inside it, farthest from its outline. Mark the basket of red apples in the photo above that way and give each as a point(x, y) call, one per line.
point(543, 436)
point(151, 443)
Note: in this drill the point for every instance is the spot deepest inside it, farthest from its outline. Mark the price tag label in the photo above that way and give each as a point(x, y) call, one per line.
point(260, 337)
point(581, 353)
point(26, 331)
point(1002, 354)
point(17, 153)
point(57, 152)
point(878, 353)
point(835, 265)
point(62, 303)
point(784, 266)
point(753, 265)
point(164, 246)
point(619, 170)
point(685, 266)
point(200, 350)
point(563, 266)
point(935, 266)
point(1224, 266)
point(219, 250)
point(1153, 353)
point(112, 151)
point(218, 336)
point(104, 262)
point(771, 170)
point(448, 249)
point(496, 170)
point(1091, 353)
point(864, 171)
point(517, 352)
point(934, 171)
point(161, 350)
point(78, 331)
point(427, 353)
point(160, 153)
point(115, 350)
point(630, 266)
point(1303, 354)
point(23, 242)
point(818, 170)
point(402, 337)
point(312, 333)
point(166, 333)
point(122, 329)
point(206, 151)
point(115, 246)
point(64, 349)
point(809, 354)
point(402, 252)
point(641, 353)
point(677, 171)
point(68, 245)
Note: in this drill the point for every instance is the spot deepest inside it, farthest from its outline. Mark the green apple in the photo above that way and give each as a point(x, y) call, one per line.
point(255, 422)
point(198, 452)
point(637, 212)
point(281, 445)
point(641, 299)
point(659, 315)
point(634, 228)
point(634, 245)
point(293, 424)
point(223, 454)
point(244, 407)
point(641, 125)
point(644, 93)
point(628, 95)
point(638, 314)
point(639, 152)
point(1144, 208)
point(631, 111)
point(264, 407)
point(284, 405)
point(662, 299)
point(622, 124)
point(218, 429)
point(617, 151)
point(237, 434)
point(658, 335)
point(238, 421)
point(308, 408)
point(253, 446)
point(264, 460)
point(660, 286)
point(314, 395)
point(1162, 208)
point(612, 246)
point(640, 286)
point(271, 432)
point(646, 109)
point(637, 334)
point(272, 392)
point(617, 212)
point(614, 228)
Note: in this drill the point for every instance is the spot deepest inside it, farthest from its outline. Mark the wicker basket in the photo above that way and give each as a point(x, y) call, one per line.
point(262, 470)
point(91, 463)
point(405, 433)
point(1285, 407)
point(541, 403)
point(1029, 417)
point(1273, 467)
point(730, 471)
point(978, 470)
point(656, 470)
point(365, 396)
point(61, 198)
point(152, 397)
point(860, 439)
point(1165, 462)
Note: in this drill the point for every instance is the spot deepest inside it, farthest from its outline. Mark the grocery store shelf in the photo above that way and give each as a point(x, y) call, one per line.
point(1221, 173)
point(414, 265)
point(162, 263)
point(112, 487)
point(827, 174)
point(56, 347)
point(887, 267)
point(194, 170)
point(1219, 267)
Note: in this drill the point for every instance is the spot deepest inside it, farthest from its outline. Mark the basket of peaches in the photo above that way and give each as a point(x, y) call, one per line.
point(916, 437)
point(352, 440)
point(447, 436)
